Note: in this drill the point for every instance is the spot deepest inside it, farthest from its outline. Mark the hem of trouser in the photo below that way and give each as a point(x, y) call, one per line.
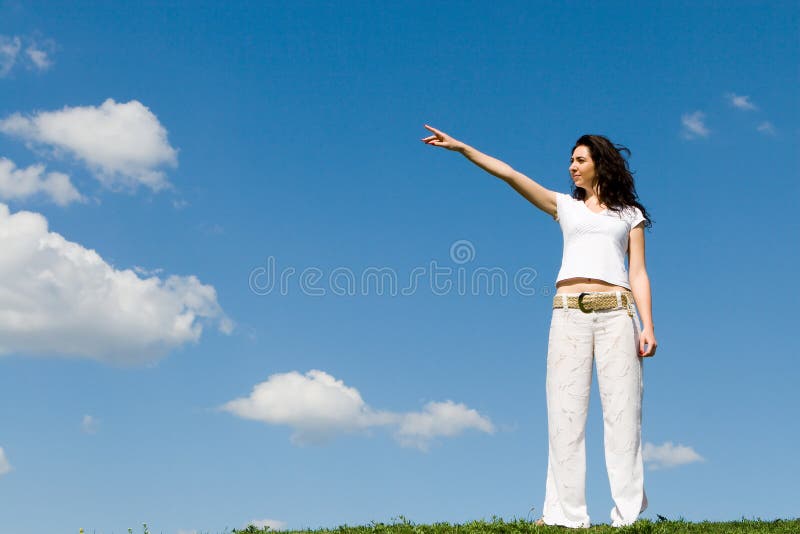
point(568, 524)
point(622, 523)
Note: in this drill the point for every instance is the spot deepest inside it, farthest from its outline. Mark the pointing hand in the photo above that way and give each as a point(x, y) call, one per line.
point(441, 139)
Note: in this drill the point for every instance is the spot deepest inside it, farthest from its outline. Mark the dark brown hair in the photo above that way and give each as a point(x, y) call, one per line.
point(615, 187)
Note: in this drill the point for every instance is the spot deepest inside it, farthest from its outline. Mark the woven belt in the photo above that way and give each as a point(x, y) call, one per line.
point(589, 302)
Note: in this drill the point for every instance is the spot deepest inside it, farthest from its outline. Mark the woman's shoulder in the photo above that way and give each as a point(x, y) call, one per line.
point(631, 210)
point(564, 197)
point(565, 201)
point(632, 214)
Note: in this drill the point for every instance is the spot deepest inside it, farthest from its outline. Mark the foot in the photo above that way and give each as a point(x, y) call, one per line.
point(539, 522)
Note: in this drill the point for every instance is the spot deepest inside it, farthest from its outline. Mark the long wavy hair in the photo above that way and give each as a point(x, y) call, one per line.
point(615, 187)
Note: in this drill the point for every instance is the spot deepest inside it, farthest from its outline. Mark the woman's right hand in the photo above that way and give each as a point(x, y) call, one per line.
point(443, 140)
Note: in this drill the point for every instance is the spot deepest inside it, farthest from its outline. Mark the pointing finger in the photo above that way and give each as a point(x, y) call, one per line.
point(431, 128)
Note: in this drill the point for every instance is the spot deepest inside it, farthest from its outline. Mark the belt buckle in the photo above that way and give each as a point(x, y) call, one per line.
point(580, 303)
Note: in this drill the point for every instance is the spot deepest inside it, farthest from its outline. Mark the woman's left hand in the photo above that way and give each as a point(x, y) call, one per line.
point(647, 339)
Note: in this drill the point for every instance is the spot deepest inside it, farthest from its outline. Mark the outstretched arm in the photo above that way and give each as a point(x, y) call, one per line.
point(539, 196)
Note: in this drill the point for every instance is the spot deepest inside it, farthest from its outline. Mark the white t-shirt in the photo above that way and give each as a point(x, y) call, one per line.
point(594, 243)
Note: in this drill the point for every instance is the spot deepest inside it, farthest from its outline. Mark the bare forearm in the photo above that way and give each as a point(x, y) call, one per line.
point(538, 195)
point(486, 162)
point(640, 287)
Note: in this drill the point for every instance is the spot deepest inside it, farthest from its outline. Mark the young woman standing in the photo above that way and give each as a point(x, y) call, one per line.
point(595, 317)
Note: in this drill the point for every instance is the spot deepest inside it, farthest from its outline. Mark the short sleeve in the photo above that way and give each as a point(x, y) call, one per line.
point(560, 209)
point(636, 217)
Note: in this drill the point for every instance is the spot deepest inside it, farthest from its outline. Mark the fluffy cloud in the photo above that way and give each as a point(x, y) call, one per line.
point(694, 125)
point(5, 467)
point(317, 407)
point(740, 102)
point(445, 419)
point(668, 455)
point(272, 524)
point(23, 183)
point(123, 144)
point(57, 297)
point(9, 50)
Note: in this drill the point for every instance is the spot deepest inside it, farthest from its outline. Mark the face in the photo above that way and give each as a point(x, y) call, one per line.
point(581, 167)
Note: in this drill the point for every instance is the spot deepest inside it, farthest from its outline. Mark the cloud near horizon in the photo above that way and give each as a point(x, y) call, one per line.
point(21, 184)
point(59, 298)
point(123, 144)
point(318, 407)
point(5, 467)
point(668, 455)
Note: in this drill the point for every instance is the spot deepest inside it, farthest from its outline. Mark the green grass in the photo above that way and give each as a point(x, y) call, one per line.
point(521, 526)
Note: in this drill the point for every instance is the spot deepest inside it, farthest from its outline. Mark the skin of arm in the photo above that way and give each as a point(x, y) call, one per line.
point(640, 287)
point(539, 196)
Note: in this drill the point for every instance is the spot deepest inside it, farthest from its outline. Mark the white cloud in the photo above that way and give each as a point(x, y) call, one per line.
point(693, 125)
point(315, 405)
point(23, 183)
point(9, 50)
point(318, 407)
point(740, 102)
point(57, 297)
point(89, 424)
point(5, 467)
point(445, 419)
point(766, 127)
point(39, 55)
point(147, 272)
point(668, 455)
point(273, 524)
point(123, 144)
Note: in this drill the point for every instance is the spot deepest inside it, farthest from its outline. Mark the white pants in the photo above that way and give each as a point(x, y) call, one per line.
point(612, 337)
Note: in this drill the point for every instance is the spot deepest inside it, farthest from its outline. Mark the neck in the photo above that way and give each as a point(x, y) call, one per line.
point(591, 195)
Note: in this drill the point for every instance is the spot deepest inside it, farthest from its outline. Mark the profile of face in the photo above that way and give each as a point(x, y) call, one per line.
point(581, 168)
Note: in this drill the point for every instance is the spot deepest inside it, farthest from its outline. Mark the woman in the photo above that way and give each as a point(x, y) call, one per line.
point(595, 316)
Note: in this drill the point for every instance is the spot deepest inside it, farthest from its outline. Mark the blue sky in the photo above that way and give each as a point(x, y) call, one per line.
point(155, 161)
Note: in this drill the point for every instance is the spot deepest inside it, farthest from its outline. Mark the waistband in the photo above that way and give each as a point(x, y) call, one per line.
point(588, 302)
